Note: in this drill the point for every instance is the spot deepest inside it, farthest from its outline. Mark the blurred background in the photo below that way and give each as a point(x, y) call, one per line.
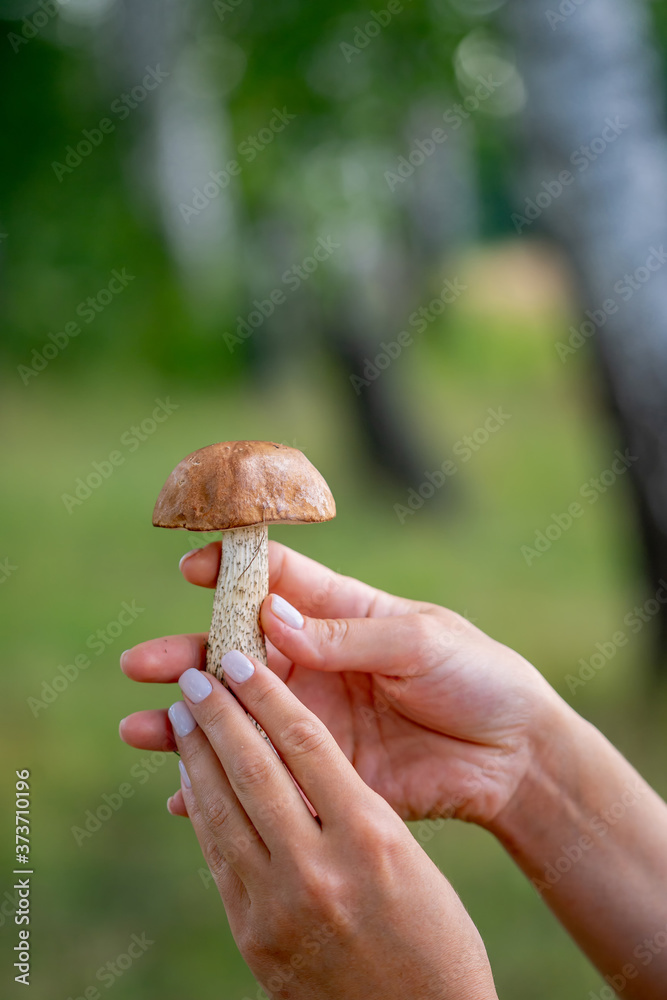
point(423, 243)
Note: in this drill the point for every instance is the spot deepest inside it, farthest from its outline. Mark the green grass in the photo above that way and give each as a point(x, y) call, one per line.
point(139, 872)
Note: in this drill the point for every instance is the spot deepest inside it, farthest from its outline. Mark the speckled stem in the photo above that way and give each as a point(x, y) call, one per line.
point(243, 583)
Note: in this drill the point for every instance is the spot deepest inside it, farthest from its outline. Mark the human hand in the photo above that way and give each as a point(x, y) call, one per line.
point(345, 905)
point(441, 720)
point(437, 717)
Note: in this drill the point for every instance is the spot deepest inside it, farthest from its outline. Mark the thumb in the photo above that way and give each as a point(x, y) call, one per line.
point(395, 646)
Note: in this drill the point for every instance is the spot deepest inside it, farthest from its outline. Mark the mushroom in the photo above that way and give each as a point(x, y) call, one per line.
point(239, 488)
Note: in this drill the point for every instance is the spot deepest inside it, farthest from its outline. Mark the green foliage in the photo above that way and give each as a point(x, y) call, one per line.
point(139, 872)
point(67, 231)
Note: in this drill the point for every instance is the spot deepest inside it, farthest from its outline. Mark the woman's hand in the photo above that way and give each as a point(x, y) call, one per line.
point(345, 905)
point(441, 720)
point(438, 718)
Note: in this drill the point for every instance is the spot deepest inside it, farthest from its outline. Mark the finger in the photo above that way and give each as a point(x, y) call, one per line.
point(162, 661)
point(148, 730)
point(232, 889)
point(202, 565)
point(264, 787)
point(402, 644)
point(315, 588)
point(304, 743)
point(278, 662)
point(176, 804)
point(236, 838)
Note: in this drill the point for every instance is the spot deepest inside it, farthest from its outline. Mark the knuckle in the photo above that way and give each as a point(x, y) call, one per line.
point(251, 770)
point(319, 890)
point(269, 930)
point(335, 630)
point(454, 631)
point(255, 942)
point(453, 621)
point(215, 812)
point(274, 811)
point(214, 858)
point(379, 834)
point(367, 832)
point(438, 633)
point(239, 845)
point(263, 697)
point(427, 632)
point(215, 716)
point(304, 736)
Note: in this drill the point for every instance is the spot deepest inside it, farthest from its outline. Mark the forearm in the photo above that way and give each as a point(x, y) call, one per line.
point(591, 835)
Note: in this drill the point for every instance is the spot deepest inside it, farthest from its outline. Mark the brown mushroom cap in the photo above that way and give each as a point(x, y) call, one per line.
point(240, 483)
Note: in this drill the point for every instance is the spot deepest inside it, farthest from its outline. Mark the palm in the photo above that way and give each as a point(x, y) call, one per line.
point(466, 767)
point(453, 740)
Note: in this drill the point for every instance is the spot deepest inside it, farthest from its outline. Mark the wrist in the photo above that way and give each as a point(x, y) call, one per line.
point(557, 786)
point(589, 833)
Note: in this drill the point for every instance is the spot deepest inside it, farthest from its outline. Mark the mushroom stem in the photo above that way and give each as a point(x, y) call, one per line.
point(243, 583)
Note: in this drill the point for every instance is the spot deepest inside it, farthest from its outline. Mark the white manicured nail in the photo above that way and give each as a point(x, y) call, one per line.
point(287, 614)
point(237, 666)
point(182, 719)
point(195, 685)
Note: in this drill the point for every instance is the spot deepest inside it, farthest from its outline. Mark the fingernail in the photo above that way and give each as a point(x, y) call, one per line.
point(122, 659)
point(169, 805)
point(195, 685)
point(182, 719)
point(184, 774)
point(237, 666)
point(287, 614)
point(120, 727)
point(185, 558)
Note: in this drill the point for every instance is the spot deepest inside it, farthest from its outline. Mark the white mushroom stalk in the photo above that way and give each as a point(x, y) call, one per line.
point(239, 488)
point(243, 583)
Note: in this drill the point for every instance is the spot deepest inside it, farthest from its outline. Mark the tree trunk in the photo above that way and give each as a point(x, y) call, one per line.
point(594, 109)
